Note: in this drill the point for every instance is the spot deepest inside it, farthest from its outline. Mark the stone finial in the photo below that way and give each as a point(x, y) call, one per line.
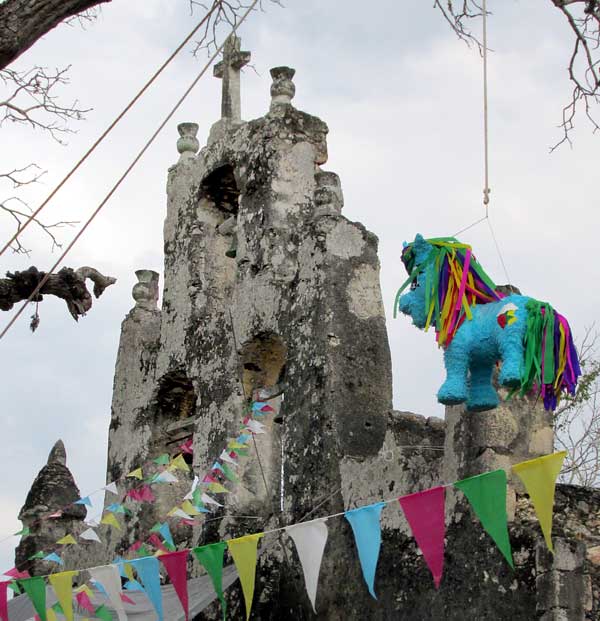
point(58, 454)
point(187, 144)
point(282, 89)
point(145, 291)
point(329, 199)
point(228, 70)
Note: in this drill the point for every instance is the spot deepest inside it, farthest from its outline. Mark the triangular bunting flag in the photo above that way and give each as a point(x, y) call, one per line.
point(84, 601)
point(255, 427)
point(310, 539)
point(189, 508)
point(224, 456)
point(207, 500)
point(35, 588)
point(62, 584)
point(110, 579)
point(84, 501)
point(243, 551)
point(23, 532)
point(112, 488)
point(258, 405)
point(539, 477)
point(162, 460)
point(176, 565)
point(127, 600)
point(136, 474)
point(217, 488)
point(166, 477)
point(148, 572)
point(116, 508)
point(228, 472)
point(133, 585)
point(103, 613)
point(424, 513)
point(111, 520)
point(3, 601)
point(37, 555)
point(53, 558)
point(90, 535)
point(487, 495)
point(178, 463)
point(181, 513)
point(165, 532)
point(365, 522)
point(187, 447)
point(67, 540)
point(211, 558)
point(15, 573)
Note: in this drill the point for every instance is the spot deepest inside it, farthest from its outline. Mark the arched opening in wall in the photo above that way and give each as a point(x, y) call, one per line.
point(221, 191)
point(263, 365)
point(174, 414)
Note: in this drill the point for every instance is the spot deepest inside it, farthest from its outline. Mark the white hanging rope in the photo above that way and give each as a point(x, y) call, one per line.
point(486, 185)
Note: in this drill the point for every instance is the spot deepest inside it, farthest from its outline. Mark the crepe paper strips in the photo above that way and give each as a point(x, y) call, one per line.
point(103, 613)
point(176, 565)
point(229, 473)
point(67, 540)
point(166, 477)
point(187, 447)
point(365, 522)
point(162, 460)
point(84, 501)
point(211, 558)
point(165, 531)
point(110, 579)
point(136, 474)
point(217, 488)
point(111, 520)
point(83, 601)
point(112, 488)
point(310, 539)
point(539, 477)
point(243, 551)
point(90, 535)
point(424, 512)
point(224, 456)
point(23, 532)
point(62, 584)
point(487, 495)
point(116, 508)
point(15, 573)
point(179, 463)
point(35, 588)
point(3, 601)
point(148, 574)
point(127, 600)
point(53, 558)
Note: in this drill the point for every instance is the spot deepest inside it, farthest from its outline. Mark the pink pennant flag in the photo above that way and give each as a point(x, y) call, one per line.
point(15, 573)
point(3, 601)
point(134, 547)
point(187, 522)
point(266, 408)
point(157, 543)
point(146, 494)
point(84, 601)
point(186, 447)
point(126, 599)
point(424, 512)
point(209, 479)
point(176, 565)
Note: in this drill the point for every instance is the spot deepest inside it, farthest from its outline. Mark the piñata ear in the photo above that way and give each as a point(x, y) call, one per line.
point(421, 249)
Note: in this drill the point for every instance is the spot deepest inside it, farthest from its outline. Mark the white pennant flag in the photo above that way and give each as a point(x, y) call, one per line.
point(182, 514)
point(190, 494)
point(166, 477)
point(90, 535)
point(207, 500)
point(224, 456)
point(112, 488)
point(310, 539)
point(255, 426)
point(110, 578)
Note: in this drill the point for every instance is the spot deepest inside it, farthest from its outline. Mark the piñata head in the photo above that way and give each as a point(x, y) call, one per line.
point(479, 327)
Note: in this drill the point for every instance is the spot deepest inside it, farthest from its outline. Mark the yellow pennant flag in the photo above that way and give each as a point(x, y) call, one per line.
point(136, 474)
point(189, 508)
point(51, 615)
point(128, 570)
point(84, 588)
point(243, 551)
point(217, 488)
point(178, 463)
point(67, 540)
point(62, 584)
point(110, 519)
point(539, 477)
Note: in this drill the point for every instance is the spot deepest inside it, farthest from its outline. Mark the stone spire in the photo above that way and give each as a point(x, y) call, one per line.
point(229, 71)
point(53, 489)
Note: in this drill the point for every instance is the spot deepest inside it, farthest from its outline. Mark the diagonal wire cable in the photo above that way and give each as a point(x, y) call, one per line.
point(107, 131)
point(125, 174)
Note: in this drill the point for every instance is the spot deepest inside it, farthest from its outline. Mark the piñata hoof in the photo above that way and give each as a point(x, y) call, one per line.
point(478, 327)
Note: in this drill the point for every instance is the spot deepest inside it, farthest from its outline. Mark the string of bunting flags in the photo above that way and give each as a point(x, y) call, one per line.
point(195, 504)
point(424, 512)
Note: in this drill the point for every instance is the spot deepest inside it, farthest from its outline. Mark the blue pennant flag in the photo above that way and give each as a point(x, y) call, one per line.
point(84, 501)
point(165, 531)
point(365, 522)
point(243, 438)
point(54, 558)
point(133, 585)
point(257, 405)
point(148, 572)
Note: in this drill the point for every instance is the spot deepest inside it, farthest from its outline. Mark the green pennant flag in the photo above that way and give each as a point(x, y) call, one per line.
point(229, 473)
point(23, 532)
point(242, 452)
point(143, 551)
point(211, 558)
point(163, 460)
point(102, 612)
point(487, 495)
point(36, 591)
point(14, 587)
point(37, 555)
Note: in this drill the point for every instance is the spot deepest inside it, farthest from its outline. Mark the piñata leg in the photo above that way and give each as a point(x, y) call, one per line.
point(482, 394)
point(456, 359)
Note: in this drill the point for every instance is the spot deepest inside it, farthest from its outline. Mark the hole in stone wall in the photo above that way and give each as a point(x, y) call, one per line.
point(221, 189)
point(263, 363)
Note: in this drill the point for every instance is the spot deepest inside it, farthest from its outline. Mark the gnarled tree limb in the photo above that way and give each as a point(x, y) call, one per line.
point(68, 284)
point(23, 22)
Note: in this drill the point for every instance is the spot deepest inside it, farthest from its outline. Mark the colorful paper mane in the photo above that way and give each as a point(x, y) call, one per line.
point(449, 290)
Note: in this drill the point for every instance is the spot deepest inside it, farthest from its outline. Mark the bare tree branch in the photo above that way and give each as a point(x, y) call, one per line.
point(583, 20)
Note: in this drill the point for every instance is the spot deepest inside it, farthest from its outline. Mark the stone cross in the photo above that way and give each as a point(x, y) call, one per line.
point(229, 71)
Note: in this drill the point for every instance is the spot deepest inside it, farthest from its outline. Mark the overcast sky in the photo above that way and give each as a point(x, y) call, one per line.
point(403, 101)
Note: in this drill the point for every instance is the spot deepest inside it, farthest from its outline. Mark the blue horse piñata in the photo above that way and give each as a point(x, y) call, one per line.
point(478, 326)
